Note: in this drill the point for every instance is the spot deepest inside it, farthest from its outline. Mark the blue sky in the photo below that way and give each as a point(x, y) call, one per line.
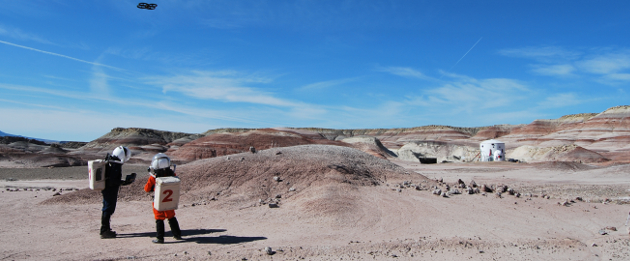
point(73, 70)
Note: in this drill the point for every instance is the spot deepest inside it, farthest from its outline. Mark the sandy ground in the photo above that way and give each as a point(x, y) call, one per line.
point(388, 225)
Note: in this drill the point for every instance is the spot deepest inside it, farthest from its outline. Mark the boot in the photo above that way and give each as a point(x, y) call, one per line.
point(106, 231)
point(177, 233)
point(159, 226)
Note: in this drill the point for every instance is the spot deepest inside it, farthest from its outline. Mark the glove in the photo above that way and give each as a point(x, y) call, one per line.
point(129, 179)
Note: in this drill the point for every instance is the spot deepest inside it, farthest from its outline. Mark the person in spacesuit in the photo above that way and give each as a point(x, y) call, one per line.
point(161, 167)
point(113, 175)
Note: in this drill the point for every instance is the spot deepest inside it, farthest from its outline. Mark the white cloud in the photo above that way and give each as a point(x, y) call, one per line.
point(542, 53)
point(224, 86)
point(20, 35)
point(606, 64)
point(557, 70)
point(405, 72)
point(98, 82)
point(560, 100)
point(609, 66)
point(473, 95)
point(326, 84)
point(618, 76)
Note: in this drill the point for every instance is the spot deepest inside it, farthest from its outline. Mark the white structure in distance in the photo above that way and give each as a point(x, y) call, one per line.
point(492, 150)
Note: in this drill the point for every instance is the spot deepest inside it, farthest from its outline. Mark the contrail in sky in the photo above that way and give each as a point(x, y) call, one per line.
point(466, 53)
point(56, 54)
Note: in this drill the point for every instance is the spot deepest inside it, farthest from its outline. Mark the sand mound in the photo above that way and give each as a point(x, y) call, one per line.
point(571, 152)
point(245, 177)
point(240, 180)
point(563, 165)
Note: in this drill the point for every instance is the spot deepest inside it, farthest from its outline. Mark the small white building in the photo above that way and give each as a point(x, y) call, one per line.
point(492, 150)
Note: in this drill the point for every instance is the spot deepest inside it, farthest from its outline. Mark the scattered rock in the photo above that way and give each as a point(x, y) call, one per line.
point(603, 232)
point(252, 149)
point(273, 205)
point(485, 188)
point(292, 189)
point(269, 251)
point(276, 178)
point(473, 184)
point(454, 191)
point(611, 228)
point(56, 194)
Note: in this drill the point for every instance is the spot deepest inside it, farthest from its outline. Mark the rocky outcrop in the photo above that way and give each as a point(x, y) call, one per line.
point(370, 145)
point(442, 151)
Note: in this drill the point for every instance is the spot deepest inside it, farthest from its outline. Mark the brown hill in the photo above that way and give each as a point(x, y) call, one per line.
point(492, 132)
point(134, 137)
point(226, 143)
point(534, 132)
point(242, 180)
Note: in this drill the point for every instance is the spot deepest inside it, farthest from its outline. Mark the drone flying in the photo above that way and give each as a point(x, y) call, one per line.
point(147, 6)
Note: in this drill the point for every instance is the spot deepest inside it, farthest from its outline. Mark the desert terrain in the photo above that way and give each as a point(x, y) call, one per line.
point(320, 194)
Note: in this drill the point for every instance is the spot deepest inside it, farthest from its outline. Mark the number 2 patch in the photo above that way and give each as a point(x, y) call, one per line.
point(168, 196)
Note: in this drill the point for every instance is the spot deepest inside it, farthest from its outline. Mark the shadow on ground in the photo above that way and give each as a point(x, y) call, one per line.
point(224, 240)
point(185, 233)
point(190, 236)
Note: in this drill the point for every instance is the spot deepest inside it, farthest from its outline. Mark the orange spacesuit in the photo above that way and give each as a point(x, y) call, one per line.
point(159, 215)
point(161, 167)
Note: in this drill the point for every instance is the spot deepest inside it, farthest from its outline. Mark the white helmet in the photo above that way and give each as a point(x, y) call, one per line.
point(122, 153)
point(160, 161)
